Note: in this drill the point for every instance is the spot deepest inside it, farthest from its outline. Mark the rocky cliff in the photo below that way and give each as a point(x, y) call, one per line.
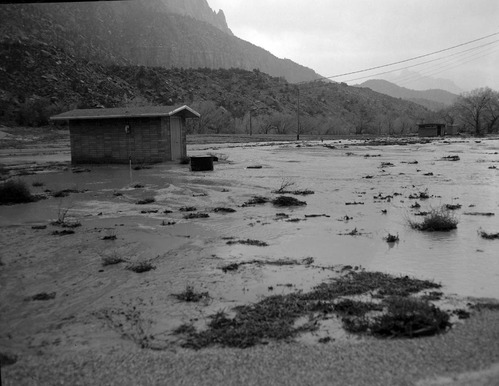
point(199, 10)
point(167, 33)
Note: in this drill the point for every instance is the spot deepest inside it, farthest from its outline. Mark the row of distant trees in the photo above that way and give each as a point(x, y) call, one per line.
point(475, 112)
point(218, 120)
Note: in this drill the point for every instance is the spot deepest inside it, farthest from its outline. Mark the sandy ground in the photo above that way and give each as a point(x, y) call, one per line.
point(89, 332)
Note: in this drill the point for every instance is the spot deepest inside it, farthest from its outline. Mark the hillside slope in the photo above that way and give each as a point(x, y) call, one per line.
point(433, 99)
point(37, 80)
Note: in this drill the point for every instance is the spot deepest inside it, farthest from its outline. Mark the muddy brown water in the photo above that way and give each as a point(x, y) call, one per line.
point(461, 260)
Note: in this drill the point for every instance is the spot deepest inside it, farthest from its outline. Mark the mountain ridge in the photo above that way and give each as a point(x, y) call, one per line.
point(144, 32)
point(434, 99)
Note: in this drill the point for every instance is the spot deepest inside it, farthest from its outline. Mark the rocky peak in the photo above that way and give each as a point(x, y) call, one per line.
point(199, 10)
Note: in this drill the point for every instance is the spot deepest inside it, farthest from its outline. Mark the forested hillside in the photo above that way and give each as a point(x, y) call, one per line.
point(38, 80)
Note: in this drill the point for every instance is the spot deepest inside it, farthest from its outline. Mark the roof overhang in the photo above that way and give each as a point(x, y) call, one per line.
point(185, 112)
point(144, 112)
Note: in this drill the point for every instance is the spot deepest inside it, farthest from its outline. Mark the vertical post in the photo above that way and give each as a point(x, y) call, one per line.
point(298, 116)
point(251, 127)
point(127, 134)
point(130, 163)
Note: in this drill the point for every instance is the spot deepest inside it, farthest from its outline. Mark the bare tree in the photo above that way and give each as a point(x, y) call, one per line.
point(478, 110)
point(213, 119)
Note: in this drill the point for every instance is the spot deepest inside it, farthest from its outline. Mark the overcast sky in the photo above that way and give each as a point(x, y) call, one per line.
point(339, 36)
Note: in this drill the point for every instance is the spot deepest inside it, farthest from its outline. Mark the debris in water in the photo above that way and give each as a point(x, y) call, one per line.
point(257, 243)
point(489, 236)
point(451, 158)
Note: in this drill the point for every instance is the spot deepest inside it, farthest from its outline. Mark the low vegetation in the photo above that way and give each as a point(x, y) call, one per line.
point(7, 359)
point(196, 215)
point(222, 209)
point(391, 238)
point(112, 260)
point(451, 158)
point(15, 192)
point(287, 201)
point(63, 218)
point(406, 318)
point(63, 232)
point(191, 295)
point(146, 201)
point(256, 243)
point(140, 266)
point(396, 313)
point(43, 296)
point(188, 209)
point(279, 262)
point(256, 200)
point(437, 220)
point(489, 236)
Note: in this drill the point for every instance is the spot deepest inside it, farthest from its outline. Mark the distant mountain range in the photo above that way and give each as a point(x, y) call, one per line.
point(167, 33)
point(422, 82)
point(433, 99)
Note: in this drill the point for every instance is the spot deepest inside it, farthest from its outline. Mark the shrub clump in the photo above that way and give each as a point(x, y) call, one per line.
point(15, 192)
point(489, 236)
point(437, 220)
point(190, 295)
point(112, 260)
point(43, 296)
point(196, 215)
point(287, 201)
point(188, 209)
point(7, 359)
point(223, 210)
point(140, 267)
point(392, 238)
point(410, 318)
point(256, 200)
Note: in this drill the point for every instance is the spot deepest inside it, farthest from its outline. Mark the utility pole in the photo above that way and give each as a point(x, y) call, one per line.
point(298, 116)
point(251, 127)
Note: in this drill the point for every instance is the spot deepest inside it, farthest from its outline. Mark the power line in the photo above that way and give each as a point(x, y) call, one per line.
point(448, 67)
point(444, 58)
point(407, 60)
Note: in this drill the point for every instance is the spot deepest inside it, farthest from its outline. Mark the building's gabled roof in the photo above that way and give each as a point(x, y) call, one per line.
point(127, 112)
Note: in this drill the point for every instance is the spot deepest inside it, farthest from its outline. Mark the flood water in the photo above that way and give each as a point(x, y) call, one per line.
point(461, 260)
point(350, 173)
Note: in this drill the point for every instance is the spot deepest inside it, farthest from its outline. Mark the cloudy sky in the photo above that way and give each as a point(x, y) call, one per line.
point(340, 36)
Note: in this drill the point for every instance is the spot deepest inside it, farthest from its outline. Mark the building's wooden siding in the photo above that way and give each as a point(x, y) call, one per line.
point(427, 132)
point(431, 130)
point(105, 140)
point(184, 138)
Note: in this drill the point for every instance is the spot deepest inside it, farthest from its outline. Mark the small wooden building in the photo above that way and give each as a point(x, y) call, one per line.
point(431, 129)
point(451, 130)
point(120, 135)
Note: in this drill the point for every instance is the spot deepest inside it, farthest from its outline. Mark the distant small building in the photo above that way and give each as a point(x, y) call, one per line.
point(431, 129)
point(451, 130)
point(120, 135)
